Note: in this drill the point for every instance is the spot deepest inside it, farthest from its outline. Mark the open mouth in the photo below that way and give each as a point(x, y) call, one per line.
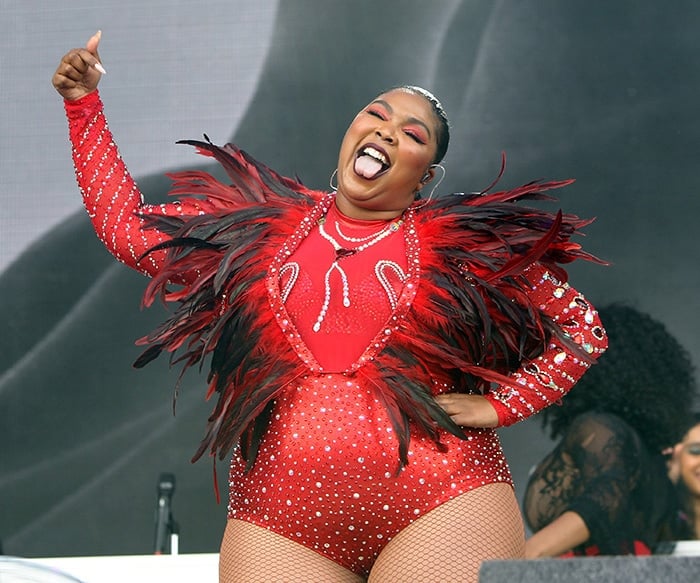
point(371, 162)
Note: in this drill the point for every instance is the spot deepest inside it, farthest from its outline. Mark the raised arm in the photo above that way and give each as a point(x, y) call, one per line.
point(110, 195)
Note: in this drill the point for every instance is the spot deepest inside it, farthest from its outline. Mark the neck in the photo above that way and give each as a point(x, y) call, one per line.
point(355, 223)
point(696, 516)
point(366, 214)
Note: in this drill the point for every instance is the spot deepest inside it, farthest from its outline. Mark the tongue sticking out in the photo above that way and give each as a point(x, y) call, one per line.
point(367, 166)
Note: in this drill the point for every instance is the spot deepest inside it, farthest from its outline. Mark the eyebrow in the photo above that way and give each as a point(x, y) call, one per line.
point(411, 119)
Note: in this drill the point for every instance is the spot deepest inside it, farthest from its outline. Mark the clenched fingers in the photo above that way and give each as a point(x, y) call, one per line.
point(79, 71)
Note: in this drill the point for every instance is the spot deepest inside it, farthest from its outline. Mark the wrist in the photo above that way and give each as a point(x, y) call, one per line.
point(89, 97)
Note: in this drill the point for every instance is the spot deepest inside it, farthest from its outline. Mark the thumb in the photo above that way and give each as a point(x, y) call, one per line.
point(93, 42)
point(91, 45)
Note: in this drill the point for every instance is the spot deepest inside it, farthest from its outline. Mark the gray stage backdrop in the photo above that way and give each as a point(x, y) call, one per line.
point(605, 92)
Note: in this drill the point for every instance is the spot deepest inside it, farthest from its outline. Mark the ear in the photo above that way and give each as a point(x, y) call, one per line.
point(674, 463)
point(428, 176)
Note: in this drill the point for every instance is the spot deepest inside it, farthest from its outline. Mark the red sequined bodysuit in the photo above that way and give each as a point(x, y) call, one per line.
point(340, 291)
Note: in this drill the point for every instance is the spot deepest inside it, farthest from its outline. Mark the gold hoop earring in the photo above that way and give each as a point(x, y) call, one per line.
point(330, 182)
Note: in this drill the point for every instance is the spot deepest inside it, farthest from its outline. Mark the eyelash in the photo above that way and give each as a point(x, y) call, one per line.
point(410, 134)
point(416, 138)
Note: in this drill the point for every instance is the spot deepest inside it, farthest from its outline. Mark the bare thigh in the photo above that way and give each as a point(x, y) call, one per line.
point(254, 554)
point(450, 542)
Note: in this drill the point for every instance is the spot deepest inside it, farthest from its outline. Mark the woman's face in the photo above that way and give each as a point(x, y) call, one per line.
point(689, 461)
point(385, 155)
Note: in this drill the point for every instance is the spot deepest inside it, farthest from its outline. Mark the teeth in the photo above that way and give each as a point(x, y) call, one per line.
point(377, 155)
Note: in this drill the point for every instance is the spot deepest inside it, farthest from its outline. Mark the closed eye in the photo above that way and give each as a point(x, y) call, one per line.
point(416, 137)
point(377, 113)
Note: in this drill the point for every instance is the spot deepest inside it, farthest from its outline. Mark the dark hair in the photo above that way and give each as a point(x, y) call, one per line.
point(443, 133)
point(694, 420)
point(645, 377)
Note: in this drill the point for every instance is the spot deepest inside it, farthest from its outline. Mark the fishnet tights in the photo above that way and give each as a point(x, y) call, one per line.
point(447, 545)
point(252, 554)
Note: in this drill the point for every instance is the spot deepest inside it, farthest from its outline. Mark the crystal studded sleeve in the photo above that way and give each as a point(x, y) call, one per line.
point(111, 197)
point(546, 379)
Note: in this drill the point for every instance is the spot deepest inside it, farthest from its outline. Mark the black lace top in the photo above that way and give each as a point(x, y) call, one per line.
point(602, 471)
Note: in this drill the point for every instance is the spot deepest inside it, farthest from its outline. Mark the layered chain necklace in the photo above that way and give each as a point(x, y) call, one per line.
point(343, 252)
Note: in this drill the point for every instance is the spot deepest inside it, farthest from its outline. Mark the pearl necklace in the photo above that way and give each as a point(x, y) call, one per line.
point(341, 253)
point(359, 239)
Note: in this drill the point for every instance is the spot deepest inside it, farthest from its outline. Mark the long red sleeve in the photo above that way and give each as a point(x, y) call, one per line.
point(111, 197)
point(546, 379)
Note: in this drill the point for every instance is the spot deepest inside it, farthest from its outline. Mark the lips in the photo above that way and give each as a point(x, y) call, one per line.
point(371, 161)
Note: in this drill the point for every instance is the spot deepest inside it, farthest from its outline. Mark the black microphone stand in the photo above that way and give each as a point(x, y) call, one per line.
point(166, 529)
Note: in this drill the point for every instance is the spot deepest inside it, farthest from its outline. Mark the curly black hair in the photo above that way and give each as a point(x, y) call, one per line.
point(646, 377)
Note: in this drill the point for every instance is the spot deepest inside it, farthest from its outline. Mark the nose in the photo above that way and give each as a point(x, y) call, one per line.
point(386, 134)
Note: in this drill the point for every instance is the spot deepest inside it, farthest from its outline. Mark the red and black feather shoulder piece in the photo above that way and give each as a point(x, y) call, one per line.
point(472, 319)
point(214, 276)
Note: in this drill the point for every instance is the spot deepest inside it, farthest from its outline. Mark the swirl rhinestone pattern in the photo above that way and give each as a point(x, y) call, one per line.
point(550, 376)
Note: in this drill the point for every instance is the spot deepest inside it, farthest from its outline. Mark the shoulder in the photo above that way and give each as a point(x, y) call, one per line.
point(600, 420)
point(599, 432)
